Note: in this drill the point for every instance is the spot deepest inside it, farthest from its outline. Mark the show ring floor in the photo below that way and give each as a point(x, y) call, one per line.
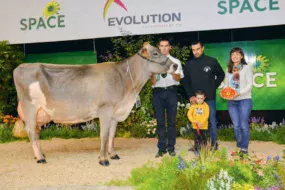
point(73, 163)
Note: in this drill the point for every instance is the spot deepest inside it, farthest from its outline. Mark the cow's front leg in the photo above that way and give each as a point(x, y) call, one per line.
point(104, 133)
point(113, 126)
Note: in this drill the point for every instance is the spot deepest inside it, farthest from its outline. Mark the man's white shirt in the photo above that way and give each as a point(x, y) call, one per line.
point(168, 80)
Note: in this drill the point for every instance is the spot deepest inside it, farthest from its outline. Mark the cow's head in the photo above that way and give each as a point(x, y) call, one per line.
point(157, 62)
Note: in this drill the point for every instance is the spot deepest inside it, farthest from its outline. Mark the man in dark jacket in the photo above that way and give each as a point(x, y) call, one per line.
point(204, 73)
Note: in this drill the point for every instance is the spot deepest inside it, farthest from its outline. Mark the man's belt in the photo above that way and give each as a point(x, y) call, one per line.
point(158, 89)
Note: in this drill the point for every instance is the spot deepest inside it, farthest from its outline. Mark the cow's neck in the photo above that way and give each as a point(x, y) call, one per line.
point(136, 73)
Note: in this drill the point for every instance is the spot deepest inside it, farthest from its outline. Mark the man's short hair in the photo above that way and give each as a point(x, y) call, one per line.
point(200, 92)
point(197, 42)
point(165, 39)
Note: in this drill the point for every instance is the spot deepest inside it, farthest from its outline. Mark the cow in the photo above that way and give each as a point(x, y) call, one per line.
point(70, 94)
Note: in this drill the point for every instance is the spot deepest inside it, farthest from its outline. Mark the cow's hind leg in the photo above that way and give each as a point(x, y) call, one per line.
point(32, 133)
point(113, 127)
point(105, 120)
point(38, 130)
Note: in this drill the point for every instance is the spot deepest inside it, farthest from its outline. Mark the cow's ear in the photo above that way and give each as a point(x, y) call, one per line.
point(145, 53)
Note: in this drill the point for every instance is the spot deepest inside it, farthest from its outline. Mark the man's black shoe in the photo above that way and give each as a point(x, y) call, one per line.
point(160, 154)
point(215, 147)
point(243, 153)
point(192, 149)
point(172, 153)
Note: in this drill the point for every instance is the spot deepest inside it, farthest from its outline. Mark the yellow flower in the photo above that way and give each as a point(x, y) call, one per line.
point(242, 187)
point(51, 8)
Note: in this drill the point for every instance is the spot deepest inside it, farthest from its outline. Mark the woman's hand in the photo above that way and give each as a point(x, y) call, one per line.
point(235, 96)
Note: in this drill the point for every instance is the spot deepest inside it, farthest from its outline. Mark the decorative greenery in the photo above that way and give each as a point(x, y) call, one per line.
point(6, 134)
point(90, 129)
point(215, 172)
point(144, 129)
point(10, 58)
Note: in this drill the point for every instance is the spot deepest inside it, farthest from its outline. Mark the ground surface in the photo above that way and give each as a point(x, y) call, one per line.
point(73, 163)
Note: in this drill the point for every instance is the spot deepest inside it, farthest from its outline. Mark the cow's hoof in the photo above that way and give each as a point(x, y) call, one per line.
point(42, 161)
point(116, 157)
point(104, 163)
point(43, 156)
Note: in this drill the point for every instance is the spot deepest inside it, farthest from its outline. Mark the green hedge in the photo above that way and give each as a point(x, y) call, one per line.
point(10, 58)
point(137, 131)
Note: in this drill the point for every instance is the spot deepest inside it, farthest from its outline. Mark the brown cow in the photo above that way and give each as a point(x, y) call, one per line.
point(73, 94)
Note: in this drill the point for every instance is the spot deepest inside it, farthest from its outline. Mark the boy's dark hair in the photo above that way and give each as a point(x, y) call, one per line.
point(197, 42)
point(200, 92)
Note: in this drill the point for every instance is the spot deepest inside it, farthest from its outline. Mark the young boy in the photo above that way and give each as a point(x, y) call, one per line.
point(198, 115)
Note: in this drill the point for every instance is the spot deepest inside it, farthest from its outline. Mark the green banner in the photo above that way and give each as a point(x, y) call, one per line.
point(79, 57)
point(267, 59)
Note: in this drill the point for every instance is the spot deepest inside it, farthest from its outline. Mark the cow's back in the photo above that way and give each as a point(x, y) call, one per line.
point(71, 93)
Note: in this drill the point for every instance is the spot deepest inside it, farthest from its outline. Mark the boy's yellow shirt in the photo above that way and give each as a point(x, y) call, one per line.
point(199, 113)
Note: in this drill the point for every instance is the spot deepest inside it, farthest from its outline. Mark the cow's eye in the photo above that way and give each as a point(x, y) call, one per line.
point(155, 53)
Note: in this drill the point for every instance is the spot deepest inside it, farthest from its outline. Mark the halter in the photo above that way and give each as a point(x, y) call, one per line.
point(161, 63)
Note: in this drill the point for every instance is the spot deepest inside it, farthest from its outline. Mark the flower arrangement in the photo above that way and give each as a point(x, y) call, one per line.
point(219, 172)
point(228, 93)
point(8, 119)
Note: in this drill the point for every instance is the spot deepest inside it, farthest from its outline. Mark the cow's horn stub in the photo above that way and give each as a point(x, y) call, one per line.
point(145, 44)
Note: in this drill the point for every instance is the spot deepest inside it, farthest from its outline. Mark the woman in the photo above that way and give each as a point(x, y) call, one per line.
point(239, 76)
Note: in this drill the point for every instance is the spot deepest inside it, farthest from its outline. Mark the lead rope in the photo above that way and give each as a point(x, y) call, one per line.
point(138, 100)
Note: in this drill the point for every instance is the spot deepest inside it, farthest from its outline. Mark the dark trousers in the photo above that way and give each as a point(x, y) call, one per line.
point(200, 140)
point(213, 123)
point(165, 101)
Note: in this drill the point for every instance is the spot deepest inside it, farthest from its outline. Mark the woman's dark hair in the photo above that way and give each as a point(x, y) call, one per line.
point(231, 64)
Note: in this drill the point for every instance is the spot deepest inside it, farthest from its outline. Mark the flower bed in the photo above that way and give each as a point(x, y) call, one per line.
point(209, 170)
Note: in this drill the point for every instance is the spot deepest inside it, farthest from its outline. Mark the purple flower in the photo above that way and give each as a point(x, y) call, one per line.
point(258, 120)
point(262, 121)
point(253, 119)
point(181, 163)
point(181, 167)
point(277, 158)
point(276, 176)
point(269, 157)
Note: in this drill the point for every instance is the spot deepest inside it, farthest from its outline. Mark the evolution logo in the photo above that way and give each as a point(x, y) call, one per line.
point(109, 3)
point(51, 19)
point(138, 20)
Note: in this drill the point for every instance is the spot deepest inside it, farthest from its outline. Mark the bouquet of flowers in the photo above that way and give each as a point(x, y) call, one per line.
point(228, 93)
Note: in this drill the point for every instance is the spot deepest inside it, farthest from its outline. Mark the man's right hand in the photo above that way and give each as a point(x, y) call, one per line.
point(153, 79)
point(192, 100)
